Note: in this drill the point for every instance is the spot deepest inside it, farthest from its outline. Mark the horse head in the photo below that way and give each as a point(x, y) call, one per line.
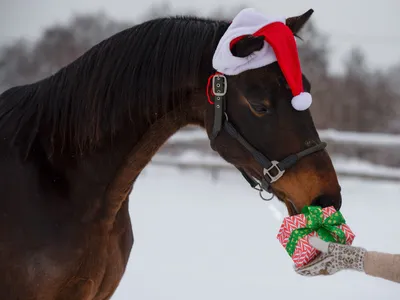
point(260, 119)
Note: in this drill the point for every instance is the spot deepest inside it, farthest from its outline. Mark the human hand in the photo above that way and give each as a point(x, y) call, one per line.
point(333, 258)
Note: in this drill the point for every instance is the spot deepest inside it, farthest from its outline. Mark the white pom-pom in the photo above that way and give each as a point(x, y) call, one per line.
point(302, 101)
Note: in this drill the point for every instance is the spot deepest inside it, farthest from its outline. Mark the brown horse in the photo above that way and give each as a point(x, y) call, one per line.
point(73, 144)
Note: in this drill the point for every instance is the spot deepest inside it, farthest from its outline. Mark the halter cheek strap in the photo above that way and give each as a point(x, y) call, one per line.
point(272, 170)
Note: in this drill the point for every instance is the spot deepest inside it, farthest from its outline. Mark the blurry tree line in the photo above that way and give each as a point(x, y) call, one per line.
point(359, 99)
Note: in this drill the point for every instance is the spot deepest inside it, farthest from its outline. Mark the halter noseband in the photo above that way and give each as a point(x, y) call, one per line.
point(273, 170)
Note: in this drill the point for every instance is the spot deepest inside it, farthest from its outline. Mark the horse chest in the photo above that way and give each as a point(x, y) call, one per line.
point(86, 265)
point(103, 264)
point(101, 270)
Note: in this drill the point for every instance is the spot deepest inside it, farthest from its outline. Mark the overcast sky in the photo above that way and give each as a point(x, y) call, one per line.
point(373, 25)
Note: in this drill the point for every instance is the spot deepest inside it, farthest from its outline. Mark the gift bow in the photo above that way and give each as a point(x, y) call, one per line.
point(325, 228)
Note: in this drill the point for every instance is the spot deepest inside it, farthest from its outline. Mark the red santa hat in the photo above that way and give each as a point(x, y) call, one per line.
point(279, 45)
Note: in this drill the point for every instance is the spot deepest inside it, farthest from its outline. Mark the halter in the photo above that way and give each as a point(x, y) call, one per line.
point(273, 170)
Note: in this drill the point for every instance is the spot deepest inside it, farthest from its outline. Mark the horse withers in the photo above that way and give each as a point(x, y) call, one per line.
point(73, 144)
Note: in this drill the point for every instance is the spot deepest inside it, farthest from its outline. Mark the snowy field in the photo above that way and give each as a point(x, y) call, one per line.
point(202, 240)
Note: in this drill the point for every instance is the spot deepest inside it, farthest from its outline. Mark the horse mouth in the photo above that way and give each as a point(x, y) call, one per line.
point(291, 208)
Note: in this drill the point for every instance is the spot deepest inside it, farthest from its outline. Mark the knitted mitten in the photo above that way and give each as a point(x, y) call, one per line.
point(333, 258)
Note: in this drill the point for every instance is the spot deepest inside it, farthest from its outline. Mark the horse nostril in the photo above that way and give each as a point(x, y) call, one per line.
point(328, 200)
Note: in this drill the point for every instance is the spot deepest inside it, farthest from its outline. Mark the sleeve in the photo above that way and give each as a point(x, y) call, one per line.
point(383, 265)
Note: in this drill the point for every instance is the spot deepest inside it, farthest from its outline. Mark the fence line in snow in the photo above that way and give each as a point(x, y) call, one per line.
point(343, 167)
point(190, 159)
point(329, 135)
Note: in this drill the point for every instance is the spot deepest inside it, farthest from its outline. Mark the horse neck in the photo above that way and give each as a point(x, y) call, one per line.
point(125, 161)
point(131, 152)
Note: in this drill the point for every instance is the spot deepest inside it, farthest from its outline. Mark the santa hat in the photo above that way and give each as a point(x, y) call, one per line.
point(279, 45)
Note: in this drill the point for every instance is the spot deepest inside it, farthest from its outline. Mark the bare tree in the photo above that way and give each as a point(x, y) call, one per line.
point(59, 45)
point(16, 64)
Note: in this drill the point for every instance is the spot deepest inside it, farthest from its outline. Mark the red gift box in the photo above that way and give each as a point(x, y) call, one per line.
point(304, 252)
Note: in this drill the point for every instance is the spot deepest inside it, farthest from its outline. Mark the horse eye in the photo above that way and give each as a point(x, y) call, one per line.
point(262, 109)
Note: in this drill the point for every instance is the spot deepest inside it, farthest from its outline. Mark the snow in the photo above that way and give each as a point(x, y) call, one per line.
point(354, 166)
point(201, 239)
point(361, 139)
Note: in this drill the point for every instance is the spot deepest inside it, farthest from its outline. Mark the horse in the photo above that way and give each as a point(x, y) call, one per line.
point(73, 144)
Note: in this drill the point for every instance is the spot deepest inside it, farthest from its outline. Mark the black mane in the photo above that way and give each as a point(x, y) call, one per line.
point(147, 69)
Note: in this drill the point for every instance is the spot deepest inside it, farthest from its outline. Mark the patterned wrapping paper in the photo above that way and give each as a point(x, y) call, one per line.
point(326, 223)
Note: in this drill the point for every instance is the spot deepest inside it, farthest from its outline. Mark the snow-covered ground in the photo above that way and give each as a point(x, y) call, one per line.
point(198, 239)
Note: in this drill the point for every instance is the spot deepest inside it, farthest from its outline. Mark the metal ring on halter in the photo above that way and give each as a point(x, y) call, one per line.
point(266, 199)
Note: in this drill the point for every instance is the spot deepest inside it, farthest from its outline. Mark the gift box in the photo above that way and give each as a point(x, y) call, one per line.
point(326, 223)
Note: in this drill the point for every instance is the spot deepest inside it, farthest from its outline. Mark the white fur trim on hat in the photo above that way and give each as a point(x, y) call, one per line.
point(302, 101)
point(246, 22)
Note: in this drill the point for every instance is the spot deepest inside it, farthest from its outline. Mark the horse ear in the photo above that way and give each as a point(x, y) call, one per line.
point(296, 23)
point(247, 45)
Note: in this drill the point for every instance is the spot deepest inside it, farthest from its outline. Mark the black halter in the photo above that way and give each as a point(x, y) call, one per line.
point(273, 170)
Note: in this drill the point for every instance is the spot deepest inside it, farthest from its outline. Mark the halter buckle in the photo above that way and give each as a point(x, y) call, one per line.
point(219, 85)
point(275, 166)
